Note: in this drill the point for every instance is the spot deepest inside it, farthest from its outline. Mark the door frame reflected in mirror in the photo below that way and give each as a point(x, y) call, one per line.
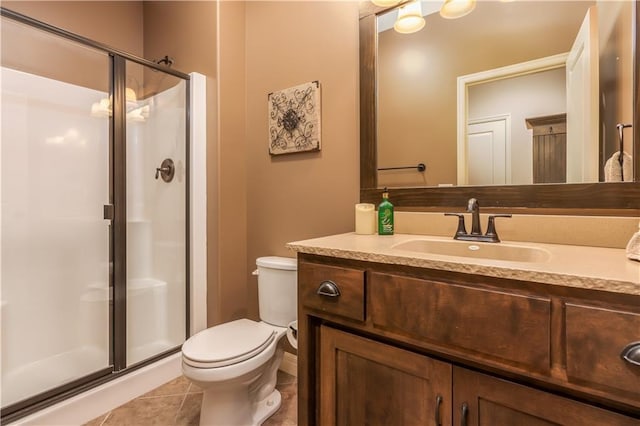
point(465, 82)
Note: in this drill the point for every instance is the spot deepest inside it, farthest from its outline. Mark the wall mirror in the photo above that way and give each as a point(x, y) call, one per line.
point(516, 103)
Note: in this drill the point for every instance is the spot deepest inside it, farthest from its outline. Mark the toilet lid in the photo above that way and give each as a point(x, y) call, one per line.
point(277, 262)
point(227, 343)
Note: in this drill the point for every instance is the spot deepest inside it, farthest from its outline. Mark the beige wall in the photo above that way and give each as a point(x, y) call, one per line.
point(114, 23)
point(615, 25)
point(183, 30)
point(59, 59)
point(299, 196)
point(231, 298)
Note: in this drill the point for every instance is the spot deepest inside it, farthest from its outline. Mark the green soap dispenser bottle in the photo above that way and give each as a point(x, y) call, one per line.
point(385, 215)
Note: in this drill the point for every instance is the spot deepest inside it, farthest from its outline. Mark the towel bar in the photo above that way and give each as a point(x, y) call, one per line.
point(420, 167)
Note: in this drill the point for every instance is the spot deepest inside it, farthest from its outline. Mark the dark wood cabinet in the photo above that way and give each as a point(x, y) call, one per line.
point(482, 400)
point(318, 283)
point(364, 382)
point(400, 345)
point(595, 338)
point(511, 328)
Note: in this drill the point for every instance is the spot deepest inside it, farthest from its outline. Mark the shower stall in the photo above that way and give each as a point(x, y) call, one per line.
point(94, 188)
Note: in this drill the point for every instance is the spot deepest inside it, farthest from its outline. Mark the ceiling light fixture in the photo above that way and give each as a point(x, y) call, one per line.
point(452, 9)
point(410, 18)
point(385, 3)
point(103, 108)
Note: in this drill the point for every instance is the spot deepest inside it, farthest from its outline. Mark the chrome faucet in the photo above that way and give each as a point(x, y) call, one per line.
point(473, 207)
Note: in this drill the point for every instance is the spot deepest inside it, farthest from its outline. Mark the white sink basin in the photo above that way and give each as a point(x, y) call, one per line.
point(494, 251)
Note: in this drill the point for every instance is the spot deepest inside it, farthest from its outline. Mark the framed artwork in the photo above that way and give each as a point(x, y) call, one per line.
point(294, 119)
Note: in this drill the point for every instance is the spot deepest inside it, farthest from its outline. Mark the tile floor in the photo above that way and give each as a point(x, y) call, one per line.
point(177, 403)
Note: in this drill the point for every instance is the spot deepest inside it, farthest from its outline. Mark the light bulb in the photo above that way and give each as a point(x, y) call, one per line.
point(410, 18)
point(130, 95)
point(385, 3)
point(452, 9)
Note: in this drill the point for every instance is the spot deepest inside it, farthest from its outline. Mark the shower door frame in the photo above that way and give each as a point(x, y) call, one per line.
point(116, 213)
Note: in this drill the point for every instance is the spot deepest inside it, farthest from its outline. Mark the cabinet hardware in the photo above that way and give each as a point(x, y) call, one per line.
point(465, 414)
point(462, 230)
point(329, 289)
point(438, 416)
point(631, 353)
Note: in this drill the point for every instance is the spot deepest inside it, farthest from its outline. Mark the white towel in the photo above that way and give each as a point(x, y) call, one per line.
point(613, 172)
point(633, 247)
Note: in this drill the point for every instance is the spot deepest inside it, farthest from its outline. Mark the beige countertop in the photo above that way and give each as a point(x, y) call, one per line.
point(574, 266)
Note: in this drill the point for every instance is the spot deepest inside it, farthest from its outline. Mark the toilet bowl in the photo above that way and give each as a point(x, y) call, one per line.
point(236, 363)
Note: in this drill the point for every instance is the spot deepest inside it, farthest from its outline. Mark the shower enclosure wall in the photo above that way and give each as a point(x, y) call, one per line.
point(94, 218)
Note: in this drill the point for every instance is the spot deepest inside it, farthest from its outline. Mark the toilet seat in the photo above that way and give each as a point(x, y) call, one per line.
point(227, 344)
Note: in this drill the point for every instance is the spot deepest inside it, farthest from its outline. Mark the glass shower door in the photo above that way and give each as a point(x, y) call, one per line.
point(54, 175)
point(156, 186)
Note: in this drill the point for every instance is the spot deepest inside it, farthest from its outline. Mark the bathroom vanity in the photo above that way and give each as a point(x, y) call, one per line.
point(393, 334)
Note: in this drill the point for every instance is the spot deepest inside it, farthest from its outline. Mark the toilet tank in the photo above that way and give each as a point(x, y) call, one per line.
point(277, 289)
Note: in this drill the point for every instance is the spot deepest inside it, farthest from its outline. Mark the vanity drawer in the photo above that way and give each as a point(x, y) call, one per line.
point(487, 324)
point(595, 339)
point(333, 290)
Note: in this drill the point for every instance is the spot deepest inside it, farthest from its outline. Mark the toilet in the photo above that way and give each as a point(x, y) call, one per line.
point(236, 363)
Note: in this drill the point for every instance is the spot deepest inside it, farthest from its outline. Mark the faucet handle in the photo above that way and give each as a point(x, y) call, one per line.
point(491, 227)
point(461, 228)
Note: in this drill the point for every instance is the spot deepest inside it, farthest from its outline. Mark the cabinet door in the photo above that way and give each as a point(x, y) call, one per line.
point(364, 382)
point(482, 400)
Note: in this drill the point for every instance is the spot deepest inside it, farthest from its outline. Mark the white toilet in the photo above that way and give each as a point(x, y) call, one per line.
point(236, 363)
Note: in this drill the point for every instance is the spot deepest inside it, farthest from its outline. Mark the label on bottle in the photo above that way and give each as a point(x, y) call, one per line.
point(386, 222)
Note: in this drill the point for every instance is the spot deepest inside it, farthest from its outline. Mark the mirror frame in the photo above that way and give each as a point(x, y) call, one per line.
point(609, 199)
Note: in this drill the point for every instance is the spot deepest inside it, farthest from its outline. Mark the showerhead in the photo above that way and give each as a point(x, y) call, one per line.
point(166, 60)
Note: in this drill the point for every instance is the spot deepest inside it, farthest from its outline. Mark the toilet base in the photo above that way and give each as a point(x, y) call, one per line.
point(267, 407)
point(228, 409)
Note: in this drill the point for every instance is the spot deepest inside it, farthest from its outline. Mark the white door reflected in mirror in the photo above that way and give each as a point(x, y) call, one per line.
point(487, 145)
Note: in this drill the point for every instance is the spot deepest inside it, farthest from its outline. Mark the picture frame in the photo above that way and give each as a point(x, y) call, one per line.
point(294, 119)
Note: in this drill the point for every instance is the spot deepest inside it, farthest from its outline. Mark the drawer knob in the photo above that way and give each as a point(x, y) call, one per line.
point(329, 289)
point(631, 353)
